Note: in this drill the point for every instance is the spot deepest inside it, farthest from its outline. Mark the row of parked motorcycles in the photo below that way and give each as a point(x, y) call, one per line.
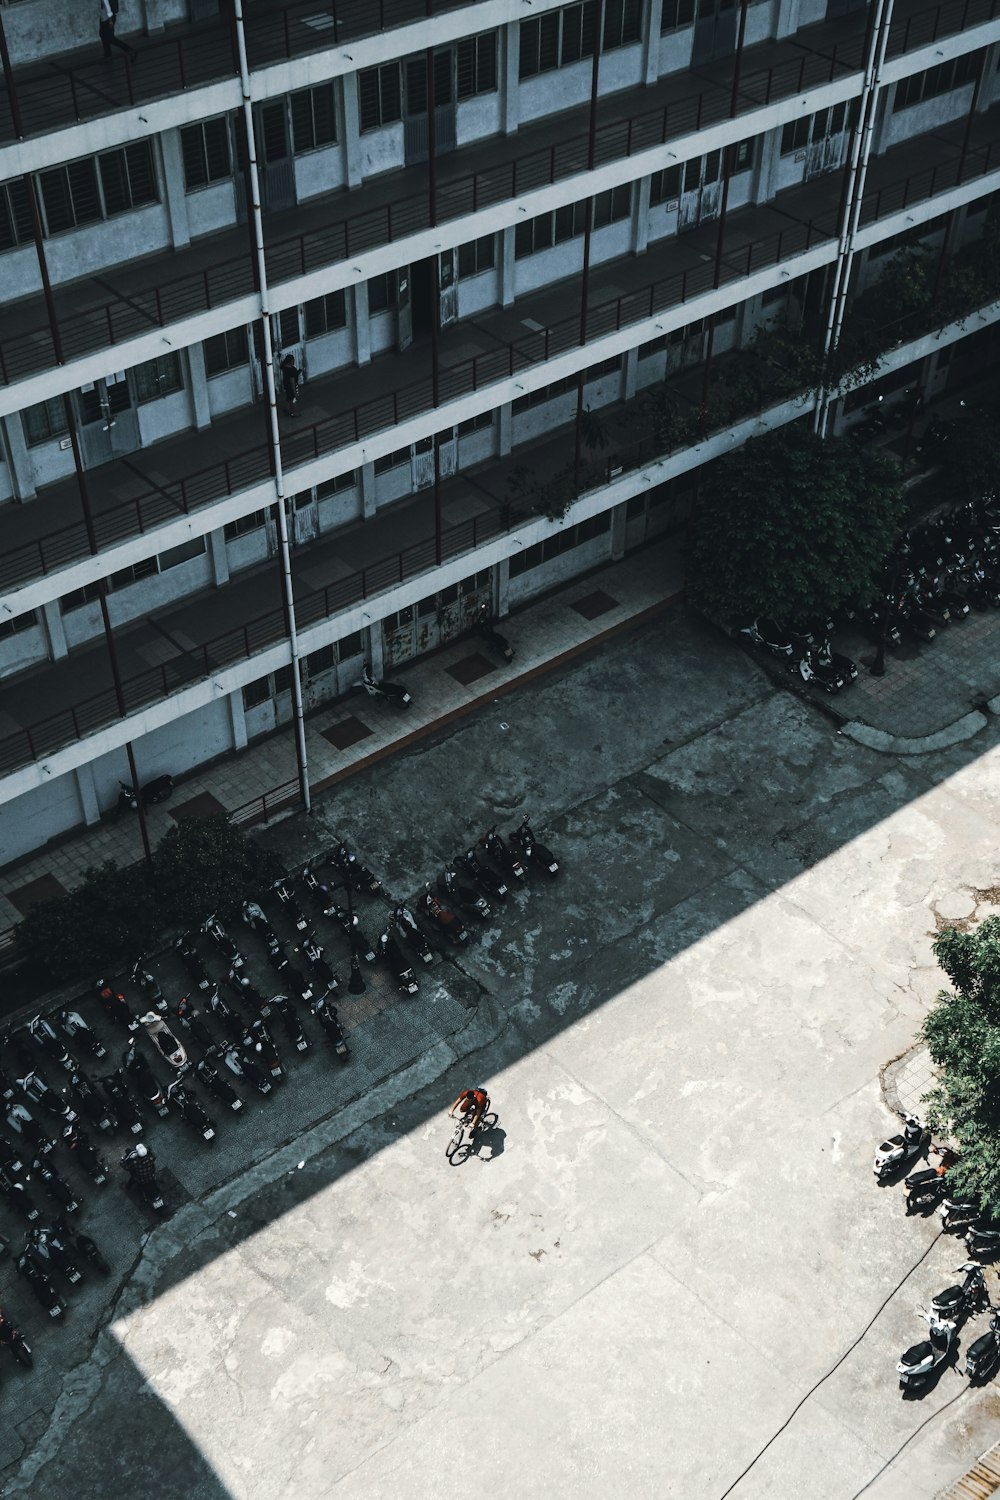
point(927, 1190)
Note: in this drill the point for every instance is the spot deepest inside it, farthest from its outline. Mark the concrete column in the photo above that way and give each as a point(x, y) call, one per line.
point(651, 45)
point(505, 428)
point(508, 55)
point(770, 156)
point(22, 470)
point(375, 656)
point(87, 792)
point(502, 587)
point(174, 196)
point(505, 287)
point(55, 635)
point(366, 484)
point(640, 215)
point(237, 719)
point(788, 18)
point(218, 556)
point(631, 372)
point(361, 324)
point(201, 414)
point(883, 117)
point(617, 537)
point(352, 131)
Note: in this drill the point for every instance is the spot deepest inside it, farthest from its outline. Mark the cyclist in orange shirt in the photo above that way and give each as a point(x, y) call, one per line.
point(473, 1103)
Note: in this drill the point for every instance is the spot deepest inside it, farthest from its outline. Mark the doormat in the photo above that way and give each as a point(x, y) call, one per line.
point(45, 888)
point(470, 668)
point(198, 808)
point(592, 605)
point(346, 732)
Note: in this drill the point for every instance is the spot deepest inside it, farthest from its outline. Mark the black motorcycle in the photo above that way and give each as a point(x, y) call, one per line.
point(485, 877)
point(534, 853)
point(326, 1015)
point(215, 1083)
point(486, 627)
point(187, 1102)
point(76, 1139)
point(41, 1286)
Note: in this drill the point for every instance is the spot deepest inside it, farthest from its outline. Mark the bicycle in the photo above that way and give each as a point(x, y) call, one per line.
point(459, 1148)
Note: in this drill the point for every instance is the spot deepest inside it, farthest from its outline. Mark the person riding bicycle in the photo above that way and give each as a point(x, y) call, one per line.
point(473, 1103)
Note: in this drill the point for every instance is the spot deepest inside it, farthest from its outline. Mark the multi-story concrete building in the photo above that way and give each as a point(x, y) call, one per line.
point(487, 298)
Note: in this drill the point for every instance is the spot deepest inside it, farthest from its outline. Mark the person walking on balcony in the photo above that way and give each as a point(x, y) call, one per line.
point(290, 376)
point(108, 12)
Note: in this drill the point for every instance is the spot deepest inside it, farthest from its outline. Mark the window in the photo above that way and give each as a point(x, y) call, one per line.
point(477, 255)
point(606, 367)
point(125, 576)
point(539, 45)
point(45, 421)
point(676, 13)
point(569, 221)
point(476, 65)
point(245, 525)
point(18, 624)
point(743, 156)
point(256, 693)
point(319, 661)
point(345, 481)
point(83, 192)
point(225, 351)
point(287, 330)
point(475, 424)
point(552, 228)
point(15, 214)
point(350, 646)
point(325, 314)
point(795, 135)
point(665, 186)
point(379, 97)
point(174, 556)
point(205, 149)
point(392, 460)
point(578, 28)
point(613, 204)
point(283, 680)
point(158, 377)
point(621, 23)
point(383, 291)
point(314, 121)
point(940, 80)
point(78, 597)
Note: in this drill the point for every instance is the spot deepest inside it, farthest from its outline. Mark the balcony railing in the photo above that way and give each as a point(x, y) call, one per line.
point(123, 318)
point(947, 19)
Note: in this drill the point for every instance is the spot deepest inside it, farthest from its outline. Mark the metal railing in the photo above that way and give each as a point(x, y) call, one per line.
point(946, 19)
point(267, 805)
point(123, 318)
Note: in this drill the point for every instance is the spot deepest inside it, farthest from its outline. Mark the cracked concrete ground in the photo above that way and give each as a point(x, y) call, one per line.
point(666, 1271)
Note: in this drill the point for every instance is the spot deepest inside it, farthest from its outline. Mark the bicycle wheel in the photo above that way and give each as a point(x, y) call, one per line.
point(457, 1140)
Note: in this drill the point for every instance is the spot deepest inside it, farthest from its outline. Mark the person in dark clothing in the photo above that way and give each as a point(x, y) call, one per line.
point(290, 376)
point(108, 13)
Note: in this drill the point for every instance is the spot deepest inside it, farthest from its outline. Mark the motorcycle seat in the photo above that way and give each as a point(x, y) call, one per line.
point(917, 1354)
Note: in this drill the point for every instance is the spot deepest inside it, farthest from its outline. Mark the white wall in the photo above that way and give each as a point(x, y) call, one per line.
point(229, 390)
point(210, 208)
point(115, 241)
point(39, 815)
point(331, 351)
point(319, 172)
point(380, 150)
point(20, 651)
point(478, 292)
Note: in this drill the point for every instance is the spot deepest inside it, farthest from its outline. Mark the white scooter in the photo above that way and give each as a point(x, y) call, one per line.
point(163, 1038)
point(920, 1361)
point(899, 1150)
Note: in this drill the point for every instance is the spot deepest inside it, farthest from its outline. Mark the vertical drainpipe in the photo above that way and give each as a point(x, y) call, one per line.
point(595, 73)
point(257, 237)
point(8, 75)
point(861, 144)
point(435, 288)
point(81, 481)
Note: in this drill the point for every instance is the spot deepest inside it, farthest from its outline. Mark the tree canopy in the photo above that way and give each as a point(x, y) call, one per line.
point(963, 1035)
point(793, 525)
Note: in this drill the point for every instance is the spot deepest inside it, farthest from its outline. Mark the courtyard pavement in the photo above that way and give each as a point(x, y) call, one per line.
point(667, 1272)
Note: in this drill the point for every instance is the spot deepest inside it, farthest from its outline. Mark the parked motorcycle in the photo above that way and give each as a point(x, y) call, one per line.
point(140, 1165)
point(451, 884)
point(981, 1239)
point(351, 927)
point(227, 1018)
point(259, 1042)
point(406, 924)
point(298, 984)
point(326, 1015)
point(293, 910)
point(919, 1362)
point(89, 1102)
point(277, 957)
point(445, 920)
point(523, 839)
point(116, 1007)
point(53, 1253)
point(215, 1083)
point(17, 1196)
point(958, 1216)
point(234, 958)
point(486, 627)
point(42, 1288)
point(192, 961)
point(406, 980)
point(292, 1026)
point(765, 633)
point(122, 1101)
point(358, 875)
point(80, 1244)
point(983, 1354)
point(13, 1339)
point(76, 1030)
point(145, 1080)
point(151, 792)
point(20, 1118)
point(164, 1040)
point(34, 1087)
point(55, 1186)
point(810, 670)
point(956, 1302)
point(76, 1139)
point(313, 951)
point(148, 986)
point(485, 877)
point(504, 856)
point(389, 692)
point(191, 1020)
point(245, 1065)
point(899, 1150)
point(48, 1038)
point(187, 1102)
point(926, 1188)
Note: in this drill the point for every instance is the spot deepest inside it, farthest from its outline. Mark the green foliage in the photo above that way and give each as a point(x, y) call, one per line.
point(114, 914)
point(963, 1035)
point(208, 865)
point(968, 449)
point(793, 525)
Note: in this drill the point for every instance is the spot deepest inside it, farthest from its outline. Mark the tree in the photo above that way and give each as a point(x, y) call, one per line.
point(111, 915)
point(793, 525)
point(962, 1033)
point(209, 865)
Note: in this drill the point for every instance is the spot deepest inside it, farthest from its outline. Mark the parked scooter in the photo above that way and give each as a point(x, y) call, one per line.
point(76, 1030)
point(982, 1240)
point(148, 986)
point(116, 1007)
point(245, 1065)
point(899, 1150)
point(445, 920)
point(187, 1102)
point(89, 1102)
point(17, 1196)
point(20, 1118)
point(191, 959)
point(765, 633)
point(919, 1362)
point(487, 629)
point(145, 1080)
point(234, 958)
point(926, 1188)
point(191, 1020)
point(956, 1302)
point(406, 924)
point(389, 692)
point(326, 1015)
point(163, 1038)
point(406, 980)
point(313, 951)
point(255, 917)
point(259, 1043)
point(13, 1339)
point(48, 1038)
point(227, 1018)
point(522, 838)
point(958, 1216)
point(348, 922)
point(504, 856)
point(983, 1354)
point(55, 1186)
point(292, 909)
point(289, 1018)
point(811, 671)
point(76, 1139)
point(151, 792)
point(80, 1244)
point(34, 1087)
point(485, 877)
point(140, 1164)
point(53, 1253)
point(451, 884)
point(299, 985)
point(358, 875)
point(122, 1102)
point(42, 1287)
point(215, 1083)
